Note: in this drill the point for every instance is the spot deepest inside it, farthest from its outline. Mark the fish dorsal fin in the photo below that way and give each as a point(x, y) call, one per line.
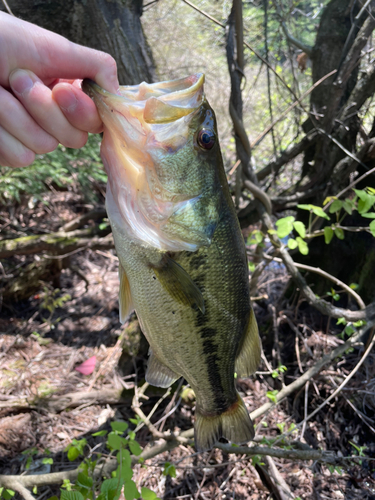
point(158, 374)
point(125, 297)
point(178, 283)
point(248, 357)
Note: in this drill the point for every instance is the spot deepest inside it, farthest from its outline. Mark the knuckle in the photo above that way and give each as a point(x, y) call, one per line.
point(75, 141)
point(23, 159)
point(46, 146)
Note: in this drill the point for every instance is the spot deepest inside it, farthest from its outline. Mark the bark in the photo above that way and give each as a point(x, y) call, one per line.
point(113, 26)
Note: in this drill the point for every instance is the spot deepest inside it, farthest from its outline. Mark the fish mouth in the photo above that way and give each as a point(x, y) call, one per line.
point(138, 121)
point(160, 102)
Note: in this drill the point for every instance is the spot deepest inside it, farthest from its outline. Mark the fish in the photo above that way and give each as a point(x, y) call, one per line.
point(182, 259)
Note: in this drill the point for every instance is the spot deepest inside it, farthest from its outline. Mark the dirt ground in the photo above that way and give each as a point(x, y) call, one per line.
point(45, 337)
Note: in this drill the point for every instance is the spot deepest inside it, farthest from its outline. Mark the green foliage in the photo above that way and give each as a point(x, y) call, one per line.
point(272, 396)
point(61, 168)
point(6, 494)
point(169, 470)
point(121, 442)
point(280, 369)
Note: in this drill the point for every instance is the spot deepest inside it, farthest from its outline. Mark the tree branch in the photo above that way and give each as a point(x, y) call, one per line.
point(57, 243)
point(294, 41)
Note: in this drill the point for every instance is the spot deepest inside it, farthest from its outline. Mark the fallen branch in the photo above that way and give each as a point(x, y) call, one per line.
point(57, 243)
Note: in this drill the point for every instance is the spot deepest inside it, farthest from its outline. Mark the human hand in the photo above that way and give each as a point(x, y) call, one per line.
point(42, 104)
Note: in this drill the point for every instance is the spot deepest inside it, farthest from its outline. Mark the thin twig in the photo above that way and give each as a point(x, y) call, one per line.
point(343, 384)
point(319, 271)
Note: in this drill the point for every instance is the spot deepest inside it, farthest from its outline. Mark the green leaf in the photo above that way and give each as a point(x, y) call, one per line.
point(131, 491)
point(147, 494)
point(169, 470)
point(292, 244)
point(111, 488)
point(73, 453)
point(339, 233)
point(370, 215)
point(353, 286)
point(100, 433)
point(71, 495)
point(8, 494)
point(258, 237)
point(372, 227)
point(316, 210)
point(272, 395)
point(84, 481)
point(115, 441)
point(119, 426)
point(348, 206)
point(284, 226)
point(47, 461)
point(135, 448)
point(320, 212)
point(300, 228)
point(341, 321)
point(336, 206)
point(302, 246)
point(328, 234)
point(365, 200)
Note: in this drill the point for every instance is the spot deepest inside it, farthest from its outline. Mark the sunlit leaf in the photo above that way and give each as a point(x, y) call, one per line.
point(302, 246)
point(292, 244)
point(300, 228)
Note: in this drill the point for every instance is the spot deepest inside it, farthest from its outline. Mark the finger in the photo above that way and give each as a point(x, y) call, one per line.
point(77, 107)
point(52, 56)
point(16, 120)
point(38, 101)
point(12, 152)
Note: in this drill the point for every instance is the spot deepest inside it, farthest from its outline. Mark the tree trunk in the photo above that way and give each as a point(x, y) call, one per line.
point(335, 105)
point(112, 26)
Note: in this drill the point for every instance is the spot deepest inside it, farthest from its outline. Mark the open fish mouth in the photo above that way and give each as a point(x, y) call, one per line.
point(144, 126)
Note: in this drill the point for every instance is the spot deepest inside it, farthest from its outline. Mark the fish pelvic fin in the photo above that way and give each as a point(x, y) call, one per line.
point(249, 354)
point(125, 297)
point(234, 424)
point(178, 283)
point(158, 374)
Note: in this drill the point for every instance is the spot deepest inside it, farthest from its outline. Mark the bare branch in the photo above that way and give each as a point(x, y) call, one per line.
point(297, 43)
point(288, 155)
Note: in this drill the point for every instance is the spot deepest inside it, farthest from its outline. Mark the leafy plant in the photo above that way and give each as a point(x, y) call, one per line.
point(121, 442)
point(62, 168)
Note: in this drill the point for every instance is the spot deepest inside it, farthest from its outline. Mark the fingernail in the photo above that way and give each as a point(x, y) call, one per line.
point(20, 81)
point(66, 100)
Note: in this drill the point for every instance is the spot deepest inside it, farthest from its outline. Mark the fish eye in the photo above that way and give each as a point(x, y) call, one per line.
point(206, 138)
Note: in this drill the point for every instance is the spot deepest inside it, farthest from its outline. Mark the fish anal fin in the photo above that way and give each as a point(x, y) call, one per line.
point(158, 374)
point(125, 297)
point(234, 424)
point(178, 283)
point(249, 354)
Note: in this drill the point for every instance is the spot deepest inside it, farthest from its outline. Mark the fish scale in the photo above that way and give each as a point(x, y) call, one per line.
point(193, 306)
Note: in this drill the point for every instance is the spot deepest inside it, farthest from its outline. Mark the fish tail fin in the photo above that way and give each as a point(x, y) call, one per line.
point(234, 424)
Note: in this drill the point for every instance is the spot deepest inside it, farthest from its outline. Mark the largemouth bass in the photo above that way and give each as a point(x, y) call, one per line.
point(183, 264)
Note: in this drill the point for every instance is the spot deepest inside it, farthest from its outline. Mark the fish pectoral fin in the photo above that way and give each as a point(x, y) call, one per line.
point(249, 354)
point(125, 297)
point(234, 424)
point(178, 283)
point(158, 374)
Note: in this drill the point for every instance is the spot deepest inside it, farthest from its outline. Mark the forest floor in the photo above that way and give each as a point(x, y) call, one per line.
point(45, 337)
